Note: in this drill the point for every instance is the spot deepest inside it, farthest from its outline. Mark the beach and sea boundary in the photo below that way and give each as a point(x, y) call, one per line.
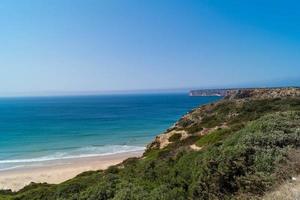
point(57, 171)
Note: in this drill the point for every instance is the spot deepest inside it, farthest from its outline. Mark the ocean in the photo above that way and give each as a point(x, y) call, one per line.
point(36, 130)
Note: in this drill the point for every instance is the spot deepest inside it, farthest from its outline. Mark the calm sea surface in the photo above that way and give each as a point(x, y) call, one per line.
point(34, 130)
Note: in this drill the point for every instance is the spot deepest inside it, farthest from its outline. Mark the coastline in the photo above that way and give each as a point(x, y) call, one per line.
point(56, 172)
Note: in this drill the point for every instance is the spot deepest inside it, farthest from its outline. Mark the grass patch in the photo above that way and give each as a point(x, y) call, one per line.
point(151, 155)
point(213, 137)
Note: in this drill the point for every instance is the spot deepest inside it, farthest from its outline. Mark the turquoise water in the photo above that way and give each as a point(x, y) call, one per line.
point(40, 129)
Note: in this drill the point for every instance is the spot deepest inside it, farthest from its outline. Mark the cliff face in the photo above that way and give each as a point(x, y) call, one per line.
point(235, 107)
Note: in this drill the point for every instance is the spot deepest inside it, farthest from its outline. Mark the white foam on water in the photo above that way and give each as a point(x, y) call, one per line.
point(91, 151)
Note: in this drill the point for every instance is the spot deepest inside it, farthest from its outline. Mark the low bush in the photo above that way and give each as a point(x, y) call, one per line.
point(175, 137)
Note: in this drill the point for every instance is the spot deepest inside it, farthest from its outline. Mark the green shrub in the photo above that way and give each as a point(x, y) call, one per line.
point(175, 137)
point(213, 137)
point(194, 128)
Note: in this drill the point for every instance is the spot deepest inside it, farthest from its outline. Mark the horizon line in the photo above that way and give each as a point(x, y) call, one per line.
point(124, 92)
point(92, 93)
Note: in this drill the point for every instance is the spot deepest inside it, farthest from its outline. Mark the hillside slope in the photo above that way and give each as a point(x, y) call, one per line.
point(237, 148)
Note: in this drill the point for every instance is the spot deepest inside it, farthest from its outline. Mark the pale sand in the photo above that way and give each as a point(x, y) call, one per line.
point(60, 171)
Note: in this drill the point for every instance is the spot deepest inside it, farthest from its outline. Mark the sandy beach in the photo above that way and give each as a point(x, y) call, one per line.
point(59, 171)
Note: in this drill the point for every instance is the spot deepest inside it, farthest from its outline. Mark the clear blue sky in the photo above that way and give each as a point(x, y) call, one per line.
point(102, 45)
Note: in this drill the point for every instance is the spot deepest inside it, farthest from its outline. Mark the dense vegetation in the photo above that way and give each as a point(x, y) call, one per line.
point(257, 150)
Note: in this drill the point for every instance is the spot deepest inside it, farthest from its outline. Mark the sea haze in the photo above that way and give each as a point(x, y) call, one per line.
point(34, 130)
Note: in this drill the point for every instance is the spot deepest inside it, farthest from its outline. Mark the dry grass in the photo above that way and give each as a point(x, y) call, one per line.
point(289, 191)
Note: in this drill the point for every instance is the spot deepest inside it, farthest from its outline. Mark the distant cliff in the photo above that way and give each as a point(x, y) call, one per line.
point(241, 92)
point(210, 92)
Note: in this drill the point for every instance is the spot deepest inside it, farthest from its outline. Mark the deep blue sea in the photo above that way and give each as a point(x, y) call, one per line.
point(40, 129)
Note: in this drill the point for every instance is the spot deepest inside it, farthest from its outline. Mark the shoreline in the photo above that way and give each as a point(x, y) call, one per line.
point(57, 172)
